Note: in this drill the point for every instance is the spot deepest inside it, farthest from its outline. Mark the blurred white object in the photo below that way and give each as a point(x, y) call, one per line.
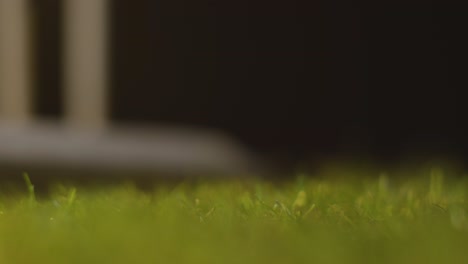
point(86, 139)
point(166, 149)
point(85, 61)
point(15, 61)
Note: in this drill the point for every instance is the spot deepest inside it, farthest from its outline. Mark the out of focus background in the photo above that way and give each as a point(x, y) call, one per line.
point(229, 86)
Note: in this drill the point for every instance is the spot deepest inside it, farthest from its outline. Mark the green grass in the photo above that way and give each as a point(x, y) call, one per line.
point(422, 219)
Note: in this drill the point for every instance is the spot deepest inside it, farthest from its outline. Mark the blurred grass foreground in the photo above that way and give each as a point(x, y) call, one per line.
point(384, 219)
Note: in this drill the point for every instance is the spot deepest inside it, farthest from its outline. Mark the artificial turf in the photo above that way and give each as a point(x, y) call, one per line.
point(317, 219)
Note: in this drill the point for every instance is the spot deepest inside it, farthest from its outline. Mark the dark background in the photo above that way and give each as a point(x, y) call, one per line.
point(292, 79)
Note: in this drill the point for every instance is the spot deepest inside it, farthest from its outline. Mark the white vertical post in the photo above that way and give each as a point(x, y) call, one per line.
point(15, 61)
point(85, 60)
